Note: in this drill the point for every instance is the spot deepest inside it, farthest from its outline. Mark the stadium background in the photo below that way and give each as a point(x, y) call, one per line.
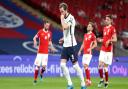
point(21, 19)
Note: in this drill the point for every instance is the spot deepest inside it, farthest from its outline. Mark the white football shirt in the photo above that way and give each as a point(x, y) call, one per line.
point(68, 34)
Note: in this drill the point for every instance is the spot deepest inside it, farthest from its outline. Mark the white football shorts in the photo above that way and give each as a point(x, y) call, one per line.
point(106, 57)
point(86, 59)
point(41, 59)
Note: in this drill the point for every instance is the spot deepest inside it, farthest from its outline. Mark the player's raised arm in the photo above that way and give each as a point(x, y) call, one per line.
point(64, 25)
point(70, 22)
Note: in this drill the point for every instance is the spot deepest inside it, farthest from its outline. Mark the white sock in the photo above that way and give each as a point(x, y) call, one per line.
point(66, 73)
point(80, 73)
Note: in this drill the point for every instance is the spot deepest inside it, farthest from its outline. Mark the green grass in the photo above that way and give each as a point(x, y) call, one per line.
point(56, 83)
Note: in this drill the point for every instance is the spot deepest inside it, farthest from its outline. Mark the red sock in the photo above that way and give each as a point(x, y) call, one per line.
point(35, 74)
point(106, 76)
point(87, 71)
point(101, 72)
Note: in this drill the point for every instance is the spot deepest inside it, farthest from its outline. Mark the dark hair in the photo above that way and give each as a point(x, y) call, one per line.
point(45, 21)
point(64, 6)
point(95, 29)
point(109, 16)
point(93, 25)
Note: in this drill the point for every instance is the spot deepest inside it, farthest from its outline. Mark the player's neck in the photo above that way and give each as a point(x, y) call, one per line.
point(89, 32)
point(45, 30)
point(108, 25)
point(67, 14)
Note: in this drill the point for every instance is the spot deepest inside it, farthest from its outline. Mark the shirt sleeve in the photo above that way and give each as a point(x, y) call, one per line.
point(114, 31)
point(93, 37)
point(38, 34)
point(71, 21)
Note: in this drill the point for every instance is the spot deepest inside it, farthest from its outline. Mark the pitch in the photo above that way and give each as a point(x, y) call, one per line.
point(57, 83)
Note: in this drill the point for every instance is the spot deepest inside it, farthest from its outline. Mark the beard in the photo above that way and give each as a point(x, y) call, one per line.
point(45, 29)
point(89, 30)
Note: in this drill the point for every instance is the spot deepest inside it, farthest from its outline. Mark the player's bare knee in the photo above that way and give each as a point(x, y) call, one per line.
point(105, 65)
point(100, 67)
point(101, 64)
point(62, 64)
point(106, 69)
point(85, 66)
point(37, 67)
point(75, 64)
point(63, 61)
point(44, 67)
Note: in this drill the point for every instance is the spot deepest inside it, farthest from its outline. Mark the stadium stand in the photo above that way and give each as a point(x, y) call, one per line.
point(86, 10)
point(13, 40)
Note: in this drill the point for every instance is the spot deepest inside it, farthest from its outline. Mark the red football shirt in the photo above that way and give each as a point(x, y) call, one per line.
point(44, 38)
point(108, 32)
point(88, 40)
